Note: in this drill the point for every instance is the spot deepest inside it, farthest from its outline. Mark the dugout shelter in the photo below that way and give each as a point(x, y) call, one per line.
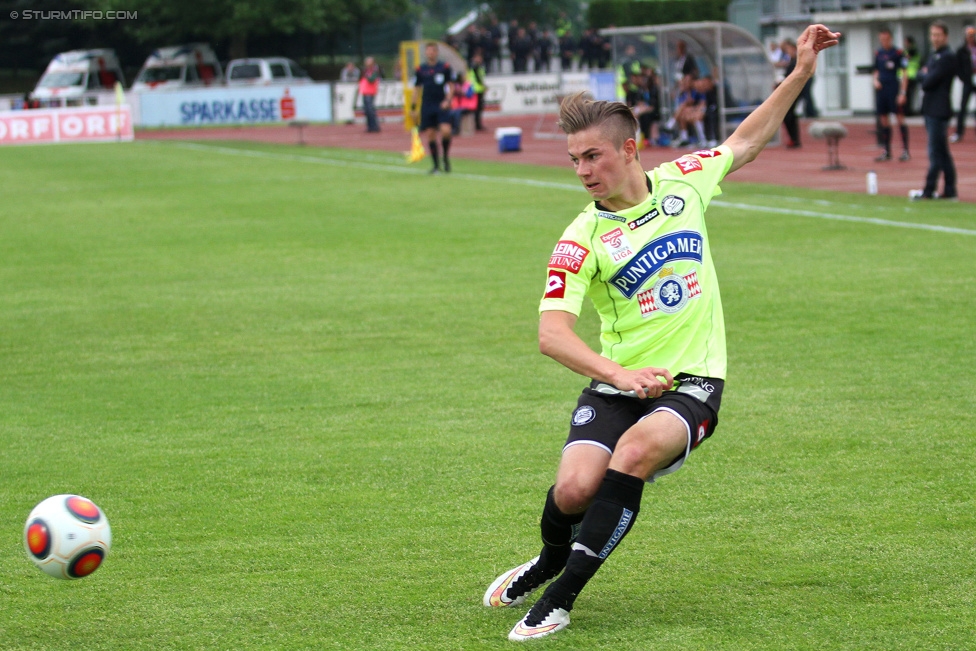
point(743, 74)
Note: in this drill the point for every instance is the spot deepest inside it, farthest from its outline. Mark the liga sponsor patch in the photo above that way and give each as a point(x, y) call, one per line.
point(556, 284)
point(617, 245)
point(568, 255)
point(688, 164)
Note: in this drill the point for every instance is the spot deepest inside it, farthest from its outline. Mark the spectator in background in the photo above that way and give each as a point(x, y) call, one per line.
point(464, 101)
point(779, 61)
point(535, 36)
point(683, 63)
point(349, 72)
point(790, 121)
point(494, 51)
point(914, 60)
point(544, 52)
point(689, 112)
point(606, 51)
point(567, 50)
point(890, 88)
point(478, 83)
point(472, 41)
point(936, 79)
point(643, 98)
point(520, 47)
point(369, 85)
point(967, 74)
point(706, 87)
point(590, 46)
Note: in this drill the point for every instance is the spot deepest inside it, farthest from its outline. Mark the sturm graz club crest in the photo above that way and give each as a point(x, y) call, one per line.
point(672, 205)
point(583, 415)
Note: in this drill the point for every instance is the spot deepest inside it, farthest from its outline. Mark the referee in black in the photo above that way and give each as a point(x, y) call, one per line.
point(433, 79)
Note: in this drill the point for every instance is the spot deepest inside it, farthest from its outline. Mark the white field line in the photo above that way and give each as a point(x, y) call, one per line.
point(401, 169)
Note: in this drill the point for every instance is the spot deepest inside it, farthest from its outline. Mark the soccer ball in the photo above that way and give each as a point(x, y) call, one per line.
point(67, 536)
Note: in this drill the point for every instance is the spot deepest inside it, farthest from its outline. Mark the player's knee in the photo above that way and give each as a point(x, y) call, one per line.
point(574, 494)
point(632, 457)
point(641, 456)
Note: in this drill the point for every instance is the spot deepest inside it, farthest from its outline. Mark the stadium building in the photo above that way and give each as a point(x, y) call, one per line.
point(842, 85)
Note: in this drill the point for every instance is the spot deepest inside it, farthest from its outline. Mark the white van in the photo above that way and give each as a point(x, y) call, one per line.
point(265, 72)
point(180, 66)
point(79, 77)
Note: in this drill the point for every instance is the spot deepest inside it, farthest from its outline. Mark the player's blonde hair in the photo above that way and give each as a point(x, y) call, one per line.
point(580, 111)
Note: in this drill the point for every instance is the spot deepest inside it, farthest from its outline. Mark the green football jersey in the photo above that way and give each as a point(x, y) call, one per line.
point(648, 271)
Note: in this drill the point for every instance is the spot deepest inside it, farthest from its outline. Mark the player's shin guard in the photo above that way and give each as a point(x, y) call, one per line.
point(559, 530)
point(606, 522)
point(432, 144)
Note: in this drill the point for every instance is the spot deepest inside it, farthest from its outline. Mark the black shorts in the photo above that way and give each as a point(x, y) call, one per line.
point(886, 100)
point(432, 118)
point(603, 414)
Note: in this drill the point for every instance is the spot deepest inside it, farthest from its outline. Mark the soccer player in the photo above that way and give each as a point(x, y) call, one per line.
point(890, 91)
point(433, 78)
point(640, 251)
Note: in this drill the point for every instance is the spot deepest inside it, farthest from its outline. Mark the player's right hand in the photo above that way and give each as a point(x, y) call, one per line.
point(648, 382)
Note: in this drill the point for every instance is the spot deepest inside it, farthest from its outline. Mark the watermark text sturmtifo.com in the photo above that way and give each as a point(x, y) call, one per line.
point(73, 14)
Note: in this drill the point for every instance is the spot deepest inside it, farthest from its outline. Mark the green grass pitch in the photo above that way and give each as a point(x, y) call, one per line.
point(305, 387)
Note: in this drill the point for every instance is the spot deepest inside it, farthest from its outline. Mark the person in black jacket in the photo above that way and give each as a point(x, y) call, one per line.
point(936, 79)
point(966, 56)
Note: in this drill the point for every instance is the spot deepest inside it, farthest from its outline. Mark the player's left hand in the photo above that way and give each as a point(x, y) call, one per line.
point(811, 42)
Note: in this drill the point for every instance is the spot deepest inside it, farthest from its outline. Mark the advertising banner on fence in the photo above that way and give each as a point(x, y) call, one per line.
point(81, 124)
point(220, 106)
point(506, 94)
point(349, 105)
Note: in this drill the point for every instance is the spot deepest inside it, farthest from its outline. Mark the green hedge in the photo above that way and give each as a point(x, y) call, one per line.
point(625, 13)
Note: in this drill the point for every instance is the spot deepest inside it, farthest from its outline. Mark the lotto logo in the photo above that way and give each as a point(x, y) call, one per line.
point(556, 285)
point(687, 165)
point(568, 255)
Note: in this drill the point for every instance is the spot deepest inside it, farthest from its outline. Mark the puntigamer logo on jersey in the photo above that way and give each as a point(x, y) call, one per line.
point(617, 245)
point(680, 245)
point(568, 255)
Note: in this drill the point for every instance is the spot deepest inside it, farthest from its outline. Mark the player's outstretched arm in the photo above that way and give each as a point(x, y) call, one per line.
point(558, 341)
point(761, 125)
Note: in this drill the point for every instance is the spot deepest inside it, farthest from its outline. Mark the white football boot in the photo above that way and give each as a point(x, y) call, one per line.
point(513, 586)
point(543, 619)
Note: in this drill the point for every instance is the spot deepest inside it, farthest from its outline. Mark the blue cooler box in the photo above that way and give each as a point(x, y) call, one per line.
point(509, 139)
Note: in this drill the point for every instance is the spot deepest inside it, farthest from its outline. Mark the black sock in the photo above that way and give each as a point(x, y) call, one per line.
point(446, 144)
point(558, 533)
point(904, 136)
point(433, 153)
point(606, 522)
point(886, 134)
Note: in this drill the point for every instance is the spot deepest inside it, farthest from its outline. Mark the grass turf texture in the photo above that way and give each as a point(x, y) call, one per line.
point(308, 396)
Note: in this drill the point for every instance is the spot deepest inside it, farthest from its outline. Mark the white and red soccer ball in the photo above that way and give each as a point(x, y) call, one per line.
point(67, 536)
